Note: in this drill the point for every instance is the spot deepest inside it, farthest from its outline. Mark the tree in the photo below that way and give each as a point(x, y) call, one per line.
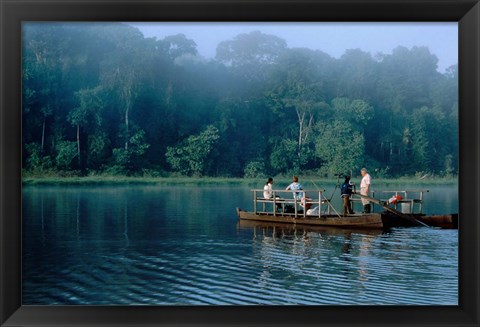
point(358, 112)
point(101, 96)
point(178, 45)
point(40, 79)
point(283, 157)
point(191, 156)
point(356, 75)
point(295, 87)
point(430, 141)
point(340, 147)
point(66, 153)
point(86, 113)
point(251, 54)
point(255, 169)
point(124, 70)
point(128, 161)
point(405, 78)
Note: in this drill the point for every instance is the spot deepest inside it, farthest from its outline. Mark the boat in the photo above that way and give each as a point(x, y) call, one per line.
point(318, 211)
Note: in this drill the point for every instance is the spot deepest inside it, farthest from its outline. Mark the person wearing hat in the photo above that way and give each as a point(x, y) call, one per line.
point(345, 192)
point(365, 189)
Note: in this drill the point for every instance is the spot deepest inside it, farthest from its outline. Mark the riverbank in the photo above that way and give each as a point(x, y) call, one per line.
point(308, 182)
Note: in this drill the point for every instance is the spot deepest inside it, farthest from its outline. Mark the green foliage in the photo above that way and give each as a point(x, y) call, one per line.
point(191, 156)
point(449, 165)
point(250, 55)
point(357, 112)
point(102, 98)
point(35, 160)
point(88, 109)
point(97, 150)
point(130, 160)
point(255, 169)
point(34, 155)
point(66, 152)
point(178, 45)
point(339, 147)
point(284, 156)
point(252, 49)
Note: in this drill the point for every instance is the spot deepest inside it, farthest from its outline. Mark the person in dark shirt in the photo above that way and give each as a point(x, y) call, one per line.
point(346, 192)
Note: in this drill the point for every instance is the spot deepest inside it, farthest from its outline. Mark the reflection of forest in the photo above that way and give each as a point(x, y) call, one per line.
point(163, 239)
point(77, 215)
point(95, 97)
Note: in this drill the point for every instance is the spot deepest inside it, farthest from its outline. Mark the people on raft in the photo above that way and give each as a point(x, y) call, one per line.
point(365, 189)
point(267, 189)
point(305, 200)
point(295, 186)
point(346, 191)
point(268, 192)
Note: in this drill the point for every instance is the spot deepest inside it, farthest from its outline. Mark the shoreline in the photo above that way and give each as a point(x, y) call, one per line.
point(306, 181)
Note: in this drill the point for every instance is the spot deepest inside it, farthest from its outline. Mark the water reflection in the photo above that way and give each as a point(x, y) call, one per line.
point(279, 230)
point(125, 220)
point(314, 249)
point(146, 245)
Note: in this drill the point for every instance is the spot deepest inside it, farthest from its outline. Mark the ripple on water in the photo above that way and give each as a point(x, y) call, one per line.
point(184, 258)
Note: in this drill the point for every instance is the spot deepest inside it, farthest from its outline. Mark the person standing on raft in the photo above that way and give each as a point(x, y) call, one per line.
point(365, 190)
point(346, 192)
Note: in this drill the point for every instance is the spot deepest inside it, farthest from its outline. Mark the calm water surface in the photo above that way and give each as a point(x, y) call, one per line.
point(161, 245)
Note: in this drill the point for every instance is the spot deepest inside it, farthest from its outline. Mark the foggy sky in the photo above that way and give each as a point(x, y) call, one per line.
point(332, 38)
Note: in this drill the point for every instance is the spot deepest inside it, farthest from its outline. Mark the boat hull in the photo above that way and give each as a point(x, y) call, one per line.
point(373, 220)
point(382, 220)
point(441, 221)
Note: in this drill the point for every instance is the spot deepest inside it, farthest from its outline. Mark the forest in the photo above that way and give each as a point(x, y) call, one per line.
point(100, 98)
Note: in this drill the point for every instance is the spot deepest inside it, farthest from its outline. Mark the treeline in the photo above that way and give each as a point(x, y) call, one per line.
point(101, 98)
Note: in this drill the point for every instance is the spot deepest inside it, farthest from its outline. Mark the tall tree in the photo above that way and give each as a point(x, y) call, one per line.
point(87, 113)
point(178, 45)
point(123, 71)
point(250, 55)
point(356, 75)
point(296, 86)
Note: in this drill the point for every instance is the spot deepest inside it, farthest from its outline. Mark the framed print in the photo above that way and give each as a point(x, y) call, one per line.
point(125, 124)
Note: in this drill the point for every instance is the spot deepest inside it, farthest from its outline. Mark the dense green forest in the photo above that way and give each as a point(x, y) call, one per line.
point(102, 98)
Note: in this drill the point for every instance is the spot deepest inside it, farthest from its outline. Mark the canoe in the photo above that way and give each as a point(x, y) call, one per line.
point(381, 220)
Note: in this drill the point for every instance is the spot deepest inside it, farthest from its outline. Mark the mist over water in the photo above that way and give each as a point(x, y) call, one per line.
point(170, 245)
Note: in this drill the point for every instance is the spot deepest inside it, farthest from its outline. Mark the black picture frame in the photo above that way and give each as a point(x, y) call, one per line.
point(14, 12)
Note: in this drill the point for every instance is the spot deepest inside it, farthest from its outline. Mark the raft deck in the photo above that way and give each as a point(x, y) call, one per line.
point(287, 207)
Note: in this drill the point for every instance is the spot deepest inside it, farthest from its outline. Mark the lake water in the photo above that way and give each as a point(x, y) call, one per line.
point(184, 245)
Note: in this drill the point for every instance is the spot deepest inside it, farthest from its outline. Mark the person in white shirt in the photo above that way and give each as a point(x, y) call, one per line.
point(267, 189)
point(365, 189)
point(268, 192)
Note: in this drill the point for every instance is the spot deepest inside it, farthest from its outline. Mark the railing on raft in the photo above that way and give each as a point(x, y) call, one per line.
point(405, 205)
point(284, 197)
point(324, 205)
